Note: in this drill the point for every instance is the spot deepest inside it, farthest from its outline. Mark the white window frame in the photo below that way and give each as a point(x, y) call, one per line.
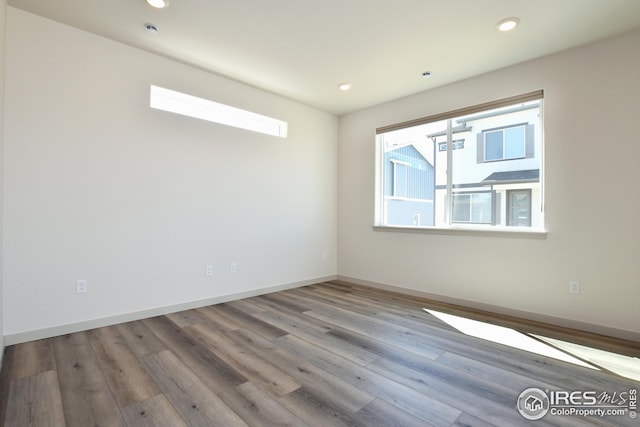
point(457, 228)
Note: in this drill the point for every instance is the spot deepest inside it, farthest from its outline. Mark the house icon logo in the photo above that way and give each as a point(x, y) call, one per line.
point(533, 403)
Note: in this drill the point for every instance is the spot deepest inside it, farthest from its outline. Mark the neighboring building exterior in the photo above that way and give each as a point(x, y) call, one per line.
point(409, 188)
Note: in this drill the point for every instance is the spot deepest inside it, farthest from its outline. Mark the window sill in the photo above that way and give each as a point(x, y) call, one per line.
point(469, 231)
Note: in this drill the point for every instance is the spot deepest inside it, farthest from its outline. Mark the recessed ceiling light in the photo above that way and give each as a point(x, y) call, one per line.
point(508, 24)
point(159, 4)
point(151, 28)
point(344, 86)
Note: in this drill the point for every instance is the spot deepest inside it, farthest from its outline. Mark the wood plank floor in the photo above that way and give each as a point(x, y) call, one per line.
point(330, 354)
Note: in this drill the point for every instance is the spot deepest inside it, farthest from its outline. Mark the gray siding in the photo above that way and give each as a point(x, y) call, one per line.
point(420, 175)
point(414, 182)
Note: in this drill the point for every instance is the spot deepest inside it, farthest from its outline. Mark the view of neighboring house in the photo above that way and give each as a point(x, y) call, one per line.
point(409, 186)
point(495, 177)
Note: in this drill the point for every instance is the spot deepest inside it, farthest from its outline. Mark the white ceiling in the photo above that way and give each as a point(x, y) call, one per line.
point(302, 49)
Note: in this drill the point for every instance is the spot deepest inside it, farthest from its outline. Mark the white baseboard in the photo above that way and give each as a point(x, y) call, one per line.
point(54, 331)
point(542, 318)
point(26, 336)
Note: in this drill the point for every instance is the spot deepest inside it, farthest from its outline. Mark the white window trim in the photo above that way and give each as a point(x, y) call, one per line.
point(471, 230)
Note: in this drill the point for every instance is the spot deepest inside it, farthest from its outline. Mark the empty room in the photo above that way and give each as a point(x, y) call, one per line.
point(335, 213)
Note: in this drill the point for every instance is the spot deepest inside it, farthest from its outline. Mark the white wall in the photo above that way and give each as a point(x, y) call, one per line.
point(592, 106)
point(97, 186)
point(3, 12)
point(100, 187)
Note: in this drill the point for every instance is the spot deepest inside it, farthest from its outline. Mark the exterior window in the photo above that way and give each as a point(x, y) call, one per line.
point(476, 167)
point(400, 178)
point(456, 145)
point(510, 143)
point(504, 144)
point(519, 209)
point(473, 207)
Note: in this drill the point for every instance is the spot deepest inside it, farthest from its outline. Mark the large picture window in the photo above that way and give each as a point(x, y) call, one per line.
point(478, 167)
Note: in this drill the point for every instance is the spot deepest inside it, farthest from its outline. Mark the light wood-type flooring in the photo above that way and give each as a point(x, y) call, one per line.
point(331, 354)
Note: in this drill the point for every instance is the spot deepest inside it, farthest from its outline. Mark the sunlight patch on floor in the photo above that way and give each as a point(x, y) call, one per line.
point(625, 366)
point(505, 336)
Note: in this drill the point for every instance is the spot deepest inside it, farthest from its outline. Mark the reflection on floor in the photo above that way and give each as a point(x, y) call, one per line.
point(628, 367)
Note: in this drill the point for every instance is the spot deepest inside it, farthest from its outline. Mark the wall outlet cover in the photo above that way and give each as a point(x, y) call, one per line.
point(574, 287)
point(81, 286)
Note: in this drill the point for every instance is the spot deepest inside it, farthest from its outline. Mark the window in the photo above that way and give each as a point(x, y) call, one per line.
point(519, 209)
point(456, 145)
point(514, 142)
point(400, 178)
point(199, 108)
point(504, 144)
point(472, 207)
point(430, 175)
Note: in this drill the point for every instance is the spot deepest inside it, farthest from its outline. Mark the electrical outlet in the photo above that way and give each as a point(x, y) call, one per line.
point(81, 286)
point(208, 271)
point(574, 287)
point(233, 268)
